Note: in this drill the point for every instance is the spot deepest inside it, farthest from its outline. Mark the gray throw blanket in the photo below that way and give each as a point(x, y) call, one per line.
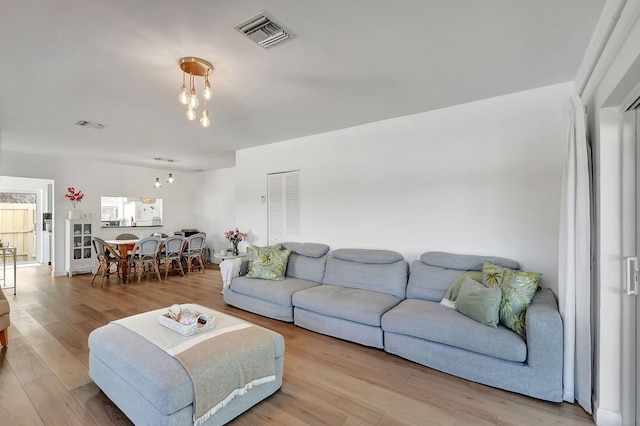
point(226, 366)
point(223, 363)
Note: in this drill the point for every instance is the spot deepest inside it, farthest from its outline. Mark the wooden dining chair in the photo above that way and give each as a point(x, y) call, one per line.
point(127, 237)
point(171, 255)
point(194, 251)
point(106, 256)
point(145, 256)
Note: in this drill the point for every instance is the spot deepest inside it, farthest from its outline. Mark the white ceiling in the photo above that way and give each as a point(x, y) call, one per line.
point(351, 62)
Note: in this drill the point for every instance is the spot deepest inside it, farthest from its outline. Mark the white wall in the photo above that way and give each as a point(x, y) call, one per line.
point(215, 210)
point(481, 178)
point(96, 179)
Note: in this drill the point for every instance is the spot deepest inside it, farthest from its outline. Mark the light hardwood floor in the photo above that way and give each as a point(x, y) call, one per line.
point(44, 380)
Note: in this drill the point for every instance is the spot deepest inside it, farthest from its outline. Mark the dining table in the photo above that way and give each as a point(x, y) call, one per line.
point(124, 247)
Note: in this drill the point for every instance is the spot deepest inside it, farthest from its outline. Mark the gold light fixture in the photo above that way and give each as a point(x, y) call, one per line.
point(195, 67)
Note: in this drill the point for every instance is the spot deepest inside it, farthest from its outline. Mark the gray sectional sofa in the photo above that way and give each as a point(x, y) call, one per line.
point(369, 297)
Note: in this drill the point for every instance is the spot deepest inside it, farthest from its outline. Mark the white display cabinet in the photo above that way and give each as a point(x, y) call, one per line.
point(79, 255)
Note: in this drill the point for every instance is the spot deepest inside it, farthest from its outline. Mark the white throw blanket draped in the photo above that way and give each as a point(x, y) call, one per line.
point(574, 263)
point(229, 269)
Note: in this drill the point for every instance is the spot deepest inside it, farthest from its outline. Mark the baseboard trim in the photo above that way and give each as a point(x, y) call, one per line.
point(604, 417)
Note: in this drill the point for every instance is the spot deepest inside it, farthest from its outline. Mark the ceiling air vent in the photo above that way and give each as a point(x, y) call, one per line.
point(263, 30)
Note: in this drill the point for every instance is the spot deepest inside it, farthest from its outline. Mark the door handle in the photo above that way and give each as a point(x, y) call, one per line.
point(632, 276)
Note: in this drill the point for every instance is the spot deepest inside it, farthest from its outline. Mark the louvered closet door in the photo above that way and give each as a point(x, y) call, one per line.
point(284, 206)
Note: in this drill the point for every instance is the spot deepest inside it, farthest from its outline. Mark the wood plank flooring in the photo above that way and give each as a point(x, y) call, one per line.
point(44, 370)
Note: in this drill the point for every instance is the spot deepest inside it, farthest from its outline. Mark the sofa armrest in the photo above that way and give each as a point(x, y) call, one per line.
point(545, 345)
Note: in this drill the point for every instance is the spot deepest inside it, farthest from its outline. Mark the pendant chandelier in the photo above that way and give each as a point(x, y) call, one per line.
point(170, 180)
point(192, 68)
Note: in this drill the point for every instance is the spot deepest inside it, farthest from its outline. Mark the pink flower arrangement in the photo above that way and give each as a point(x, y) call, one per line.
point(235, 236)
point(74, 196)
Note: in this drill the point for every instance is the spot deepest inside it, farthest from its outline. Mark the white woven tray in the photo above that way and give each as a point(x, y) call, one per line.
point(188, 330)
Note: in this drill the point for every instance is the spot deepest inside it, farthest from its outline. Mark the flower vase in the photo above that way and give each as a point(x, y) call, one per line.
point(235, 248)
point(75, 214)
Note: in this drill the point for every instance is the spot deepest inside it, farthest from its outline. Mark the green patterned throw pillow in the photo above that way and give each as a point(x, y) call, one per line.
point(518, 289)
point(267, 263)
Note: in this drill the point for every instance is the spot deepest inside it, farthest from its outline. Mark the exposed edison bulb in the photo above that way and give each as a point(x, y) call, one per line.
point(157, 184)
point(207, 93)
point(191, 114)
point(170, 179)
point(205, 121)
point(193, 100)
point(183, 97)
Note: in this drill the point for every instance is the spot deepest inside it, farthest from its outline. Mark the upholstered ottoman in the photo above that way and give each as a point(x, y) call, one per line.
point(152, 383)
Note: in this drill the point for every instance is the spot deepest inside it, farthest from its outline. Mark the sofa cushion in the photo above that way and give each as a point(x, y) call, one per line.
point(433, 273)
point(268, 263)
point(390, 278)
point(429, 282)
point(518, 289)
point(307, 261)
point(307, 249)
point(464, 262)
point(367, 256)
point(278, 292)
point(352, 304)
point(432, 321)
point(479, 303)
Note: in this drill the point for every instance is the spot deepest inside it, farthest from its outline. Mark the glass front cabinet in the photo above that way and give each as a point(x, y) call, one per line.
point(79, 256)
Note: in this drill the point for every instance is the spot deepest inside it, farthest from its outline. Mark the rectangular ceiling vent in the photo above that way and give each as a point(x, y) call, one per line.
point(85, 123)
point(264, 30)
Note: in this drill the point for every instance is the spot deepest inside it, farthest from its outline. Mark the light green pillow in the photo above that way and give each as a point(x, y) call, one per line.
point(479, 302)
point(254, 251)
point(518, 289)
point(452, 292)
point(267, 263)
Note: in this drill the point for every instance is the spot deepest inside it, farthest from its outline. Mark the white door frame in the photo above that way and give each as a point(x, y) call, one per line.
point(630, 211)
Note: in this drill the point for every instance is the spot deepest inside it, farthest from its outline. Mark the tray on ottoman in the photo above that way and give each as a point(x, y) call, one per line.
point(151, 386)
point(200, 321)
